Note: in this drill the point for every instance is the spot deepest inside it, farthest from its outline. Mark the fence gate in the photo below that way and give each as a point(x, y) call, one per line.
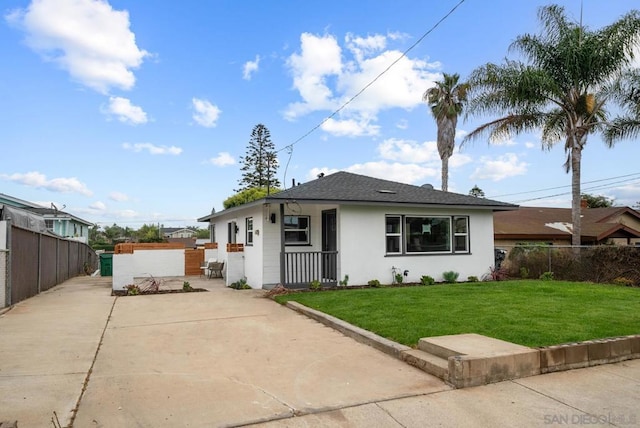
point(193, 259)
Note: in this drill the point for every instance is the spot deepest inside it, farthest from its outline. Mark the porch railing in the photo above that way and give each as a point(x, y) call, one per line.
point(300, 269)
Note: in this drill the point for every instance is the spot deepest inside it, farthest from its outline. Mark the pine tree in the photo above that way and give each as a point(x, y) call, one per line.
point(260, 162)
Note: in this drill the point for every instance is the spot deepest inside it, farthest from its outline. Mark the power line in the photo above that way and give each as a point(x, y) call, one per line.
point(599, 187)
point(346, 103)
point(568, 185)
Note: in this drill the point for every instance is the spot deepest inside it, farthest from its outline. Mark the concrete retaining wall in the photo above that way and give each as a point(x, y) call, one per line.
point(590, 353)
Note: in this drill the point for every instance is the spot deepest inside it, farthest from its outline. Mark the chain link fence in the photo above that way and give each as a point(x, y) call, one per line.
point(602, 263)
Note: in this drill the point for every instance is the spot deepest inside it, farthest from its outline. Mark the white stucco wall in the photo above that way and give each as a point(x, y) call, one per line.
point(362, 246)
point(145, 263)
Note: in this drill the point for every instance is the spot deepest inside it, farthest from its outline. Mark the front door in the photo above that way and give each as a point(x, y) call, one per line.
point(329, 243)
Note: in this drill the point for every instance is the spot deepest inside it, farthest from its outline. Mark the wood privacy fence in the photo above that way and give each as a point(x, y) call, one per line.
point(38, 261)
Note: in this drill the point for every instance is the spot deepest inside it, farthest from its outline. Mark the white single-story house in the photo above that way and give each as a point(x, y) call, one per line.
point(352, 225)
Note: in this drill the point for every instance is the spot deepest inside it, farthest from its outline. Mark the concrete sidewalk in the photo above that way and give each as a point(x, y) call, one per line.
point(233, 358)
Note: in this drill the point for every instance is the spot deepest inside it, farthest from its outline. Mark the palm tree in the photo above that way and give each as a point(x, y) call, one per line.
point(572, 77)
point(446, 101)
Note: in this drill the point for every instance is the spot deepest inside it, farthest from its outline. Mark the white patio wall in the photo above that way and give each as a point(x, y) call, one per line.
point(145, 263)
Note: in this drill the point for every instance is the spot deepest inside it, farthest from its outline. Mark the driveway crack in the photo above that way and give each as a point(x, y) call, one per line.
point(74, 412)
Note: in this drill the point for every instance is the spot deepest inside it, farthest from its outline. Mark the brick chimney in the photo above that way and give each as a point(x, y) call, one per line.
point(583, 203)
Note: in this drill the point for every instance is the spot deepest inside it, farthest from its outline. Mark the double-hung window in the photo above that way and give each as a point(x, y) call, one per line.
point(296, 230)
point(412, 234)
point(249, 231)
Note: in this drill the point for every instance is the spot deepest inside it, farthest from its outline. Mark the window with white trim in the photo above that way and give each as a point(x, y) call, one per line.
point(411, 234)
point(461, 234)
point(249, 231)
point(394, 234)
point(296, 230)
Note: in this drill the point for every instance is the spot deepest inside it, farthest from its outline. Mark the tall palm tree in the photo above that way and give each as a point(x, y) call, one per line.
point(446, 101)
point(571, 78)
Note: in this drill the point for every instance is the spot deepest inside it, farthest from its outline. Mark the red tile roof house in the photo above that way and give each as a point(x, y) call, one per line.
point(614, 225)
point(352, 225)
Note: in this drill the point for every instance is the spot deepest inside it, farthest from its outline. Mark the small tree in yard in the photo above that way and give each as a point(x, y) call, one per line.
point(260, 163)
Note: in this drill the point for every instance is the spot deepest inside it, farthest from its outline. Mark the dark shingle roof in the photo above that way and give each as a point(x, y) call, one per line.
point(353, 188)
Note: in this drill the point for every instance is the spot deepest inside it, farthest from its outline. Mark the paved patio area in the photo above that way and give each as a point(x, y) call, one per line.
point(227, 358)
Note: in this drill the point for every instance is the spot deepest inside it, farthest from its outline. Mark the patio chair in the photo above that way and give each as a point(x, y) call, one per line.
point(204, 269)
point(215, 269)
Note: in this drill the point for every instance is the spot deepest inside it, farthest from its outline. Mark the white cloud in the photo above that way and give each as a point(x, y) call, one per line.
point(409, 151)
point(152, 149)
point(118, 197)
point(250, 67)
point(503, 142)
point(125, 111)
point(458, 159)
point(223, 159)
point(396, 171)
point(350, 128)
point(98, 206)
point(529, 145)
point(326, 77)
point(502, 167)
point(39, 180)
point(320, 57)
point(402, 124)
point(87, 38)
point(206, 114)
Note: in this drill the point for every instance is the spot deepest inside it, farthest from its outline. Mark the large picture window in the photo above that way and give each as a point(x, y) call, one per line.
point(410, 234)
point(296, 230)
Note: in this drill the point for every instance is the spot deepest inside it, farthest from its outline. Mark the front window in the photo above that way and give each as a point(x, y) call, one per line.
point(48, 224)
point(428, 234)
point(410, 234)
point(249, 237)
point(296, 230)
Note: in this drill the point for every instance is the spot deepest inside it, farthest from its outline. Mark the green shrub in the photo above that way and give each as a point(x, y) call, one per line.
point(524, 272)
point(399, 278)
point(240, 285)
point(186, 286)
point(374, 283)
point(132, 289)
point(315, 285)
point(450, 276)
point(345, 281)
point(547, 276)
point(623, 281)
point(427, 280)
point(472, 278)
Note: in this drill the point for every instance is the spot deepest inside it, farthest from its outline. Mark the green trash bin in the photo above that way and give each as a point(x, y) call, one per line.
point(106, 264)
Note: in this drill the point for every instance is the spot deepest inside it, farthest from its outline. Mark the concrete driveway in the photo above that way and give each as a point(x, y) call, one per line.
point(233, 358)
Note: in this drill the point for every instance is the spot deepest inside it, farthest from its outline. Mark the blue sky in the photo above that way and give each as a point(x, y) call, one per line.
point(134, 112)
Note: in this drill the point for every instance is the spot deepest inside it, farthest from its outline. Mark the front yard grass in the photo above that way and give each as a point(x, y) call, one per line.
point(531, 313)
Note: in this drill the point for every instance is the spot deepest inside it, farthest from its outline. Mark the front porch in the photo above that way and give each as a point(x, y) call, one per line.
point(300, 269)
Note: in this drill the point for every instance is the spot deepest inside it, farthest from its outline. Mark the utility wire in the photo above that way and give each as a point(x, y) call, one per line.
point(346, 103)
point(562, 187)
point(599, 187)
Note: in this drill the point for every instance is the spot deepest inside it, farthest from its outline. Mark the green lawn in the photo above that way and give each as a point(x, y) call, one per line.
point(530, 313)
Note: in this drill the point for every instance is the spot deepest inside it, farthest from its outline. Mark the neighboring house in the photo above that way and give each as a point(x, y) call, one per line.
point(59, 222)
point(348, 224)
point(614, 225)
point(177, 232)
point(187, 242)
